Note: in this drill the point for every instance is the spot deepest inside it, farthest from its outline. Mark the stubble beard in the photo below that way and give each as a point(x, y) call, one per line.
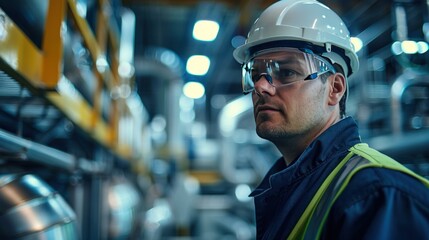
point(293, 128)
point(273, 132)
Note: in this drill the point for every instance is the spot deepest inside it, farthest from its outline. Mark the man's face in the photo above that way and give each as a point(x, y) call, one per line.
point(296, 109)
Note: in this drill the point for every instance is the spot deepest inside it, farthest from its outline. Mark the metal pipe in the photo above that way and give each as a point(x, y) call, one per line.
point(396, 145)
point(402, 83)
point(229, 119)
point(49, 156)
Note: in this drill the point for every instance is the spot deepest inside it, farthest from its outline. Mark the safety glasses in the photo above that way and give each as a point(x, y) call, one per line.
point(282, 66)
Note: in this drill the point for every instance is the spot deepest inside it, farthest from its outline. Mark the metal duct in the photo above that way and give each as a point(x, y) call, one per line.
point(31, 209)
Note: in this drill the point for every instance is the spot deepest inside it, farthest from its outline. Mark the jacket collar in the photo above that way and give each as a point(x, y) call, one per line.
point(336, 140)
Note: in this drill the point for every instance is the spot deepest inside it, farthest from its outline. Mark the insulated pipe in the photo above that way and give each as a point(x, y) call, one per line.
point(402, 83)
point(229, 118)
point(124, 203)
point(396, 145)
point(31, 209)
point(48, 156)
point(163, 66)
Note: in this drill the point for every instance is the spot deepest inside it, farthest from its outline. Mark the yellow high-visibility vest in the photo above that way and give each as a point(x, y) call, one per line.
point(311, 222)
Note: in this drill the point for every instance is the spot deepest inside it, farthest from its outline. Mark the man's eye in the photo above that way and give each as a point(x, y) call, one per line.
point(255, 75)
point(286, 74)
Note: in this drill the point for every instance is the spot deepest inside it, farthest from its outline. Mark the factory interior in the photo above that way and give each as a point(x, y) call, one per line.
point(108, 131)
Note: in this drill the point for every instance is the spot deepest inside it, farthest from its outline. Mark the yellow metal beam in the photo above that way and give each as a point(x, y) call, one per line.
point(52, 44)
point(19, 52)
point(41, 70)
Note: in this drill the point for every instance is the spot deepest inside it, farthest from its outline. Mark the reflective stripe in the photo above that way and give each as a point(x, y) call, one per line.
point(314, 225)
point(299, 230)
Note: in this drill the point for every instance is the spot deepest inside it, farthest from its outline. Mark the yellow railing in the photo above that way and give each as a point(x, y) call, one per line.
point(41, 69)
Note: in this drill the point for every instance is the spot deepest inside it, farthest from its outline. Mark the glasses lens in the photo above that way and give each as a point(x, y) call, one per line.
point(283, 67)
point(247, 81)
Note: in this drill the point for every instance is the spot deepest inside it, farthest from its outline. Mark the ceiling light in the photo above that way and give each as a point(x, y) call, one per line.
point(193, 90)
point(422, 47)
point(409, 47)
point(205, 30)
point(198, 65)
point(396, 48)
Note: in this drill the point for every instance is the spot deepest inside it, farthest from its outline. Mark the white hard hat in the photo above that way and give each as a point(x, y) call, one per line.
point(302, 24)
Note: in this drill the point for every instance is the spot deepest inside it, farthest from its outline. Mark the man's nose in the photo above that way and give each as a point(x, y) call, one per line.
point(264, 84)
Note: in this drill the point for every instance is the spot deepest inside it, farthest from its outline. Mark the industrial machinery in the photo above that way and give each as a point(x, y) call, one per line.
point(71, 124)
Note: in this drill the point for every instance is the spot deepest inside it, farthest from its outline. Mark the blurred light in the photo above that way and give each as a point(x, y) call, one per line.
point(186, 104)
point(124, 90)
point(198, 131)
point(417, 122)
point(187, 113)
point(125, 70)
point(238, 41)
point(67, 88)
point(198, 65)
point(102, 64)
point(191, 184)
point(187, 117)
point(357, 43)
point(396, 48)
point(205, 30)
point(409, 47)
point(81, 9)
point(169, 59)
point(3, 30)
point(242, 192)
point(126, 49)
point(158, 123)
point(37, 184)
point(422, 47)
point(193, 90)
point(159, 213)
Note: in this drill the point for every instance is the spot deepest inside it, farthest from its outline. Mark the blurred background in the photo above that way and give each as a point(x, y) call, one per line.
point(125, 119)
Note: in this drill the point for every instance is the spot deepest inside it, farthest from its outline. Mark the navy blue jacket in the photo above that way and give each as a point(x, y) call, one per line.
point(377, 203)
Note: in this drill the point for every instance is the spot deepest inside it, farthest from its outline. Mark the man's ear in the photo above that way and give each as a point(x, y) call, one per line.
point(337, 88)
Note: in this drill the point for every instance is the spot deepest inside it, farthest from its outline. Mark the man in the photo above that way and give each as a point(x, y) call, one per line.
point(327, 185)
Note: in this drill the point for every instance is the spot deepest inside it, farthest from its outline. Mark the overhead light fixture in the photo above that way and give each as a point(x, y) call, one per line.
point(409, 47)
point(198, 65)
point(422, 46)
point(194, 90)
point(205, 30)
point(396, 48)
